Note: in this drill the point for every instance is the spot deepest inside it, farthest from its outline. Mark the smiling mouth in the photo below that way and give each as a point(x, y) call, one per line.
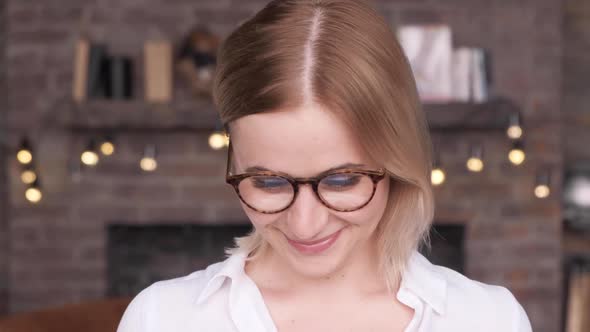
point(316, 246)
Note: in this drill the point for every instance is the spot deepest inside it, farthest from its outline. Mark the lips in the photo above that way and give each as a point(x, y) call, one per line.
point(316, 246)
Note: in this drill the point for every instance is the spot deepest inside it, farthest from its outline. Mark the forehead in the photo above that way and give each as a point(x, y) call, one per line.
point(302, 141)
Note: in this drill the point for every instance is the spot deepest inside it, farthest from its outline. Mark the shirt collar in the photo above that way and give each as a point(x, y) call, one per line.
point(232, 268)
point(420, 277)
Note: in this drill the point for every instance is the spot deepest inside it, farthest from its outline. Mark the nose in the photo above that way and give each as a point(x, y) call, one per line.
point(307, 217)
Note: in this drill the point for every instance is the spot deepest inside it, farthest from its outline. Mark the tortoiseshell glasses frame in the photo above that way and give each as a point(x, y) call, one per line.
point(235, 179)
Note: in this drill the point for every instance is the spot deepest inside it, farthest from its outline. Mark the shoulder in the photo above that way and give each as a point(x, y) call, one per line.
point(476, 304)
point(186, 288)
point(172, 296)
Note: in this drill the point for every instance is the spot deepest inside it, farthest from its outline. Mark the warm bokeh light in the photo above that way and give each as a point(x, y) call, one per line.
point(542, 191)
point(437, 177)
point(24, 156)
point(33, 194)
point(107, 148)
point(148, 164)
point(516, 156)
point(89, 158)
point(226, 139)
point(217, 140)
point(475, 164)
point(514, 132)
point(28, 176)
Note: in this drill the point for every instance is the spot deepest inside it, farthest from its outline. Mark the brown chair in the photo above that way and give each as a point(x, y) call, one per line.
point(95, 316)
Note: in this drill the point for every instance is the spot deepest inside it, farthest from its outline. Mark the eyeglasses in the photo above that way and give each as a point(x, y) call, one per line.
point(268, 192)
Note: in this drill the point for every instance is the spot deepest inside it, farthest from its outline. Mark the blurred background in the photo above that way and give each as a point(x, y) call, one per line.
point(112, 159)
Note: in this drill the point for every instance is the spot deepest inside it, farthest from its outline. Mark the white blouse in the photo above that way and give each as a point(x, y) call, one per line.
point(223, 298)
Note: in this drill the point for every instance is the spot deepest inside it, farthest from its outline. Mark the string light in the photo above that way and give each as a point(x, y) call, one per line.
point(107, 147)
point(542, 189)
point(28, 175)
point(514, 130)
point(89, 157)
point(437, 175)
point(220, 139)
point(217, 140)
point(475, 161)
point(148, 162)
point(517, 154)
point(226, 136)
point(25, 152)
point(33, 193)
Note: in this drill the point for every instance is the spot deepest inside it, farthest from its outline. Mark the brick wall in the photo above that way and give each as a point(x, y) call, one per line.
point(58, 246)
point(576, 69)
point(4, 243)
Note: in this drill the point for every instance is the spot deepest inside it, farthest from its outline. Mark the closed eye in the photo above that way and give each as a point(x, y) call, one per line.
point(341, 180)
point(270, 183)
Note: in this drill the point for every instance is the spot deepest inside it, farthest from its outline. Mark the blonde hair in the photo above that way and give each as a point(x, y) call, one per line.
point(342, 55)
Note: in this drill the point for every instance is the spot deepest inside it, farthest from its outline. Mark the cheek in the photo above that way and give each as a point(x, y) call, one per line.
point(259, 220)
point(372, 213)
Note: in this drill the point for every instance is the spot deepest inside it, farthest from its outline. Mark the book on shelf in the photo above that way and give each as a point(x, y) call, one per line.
point(100, 75)
point(444, 74)
point(79, 86)
point(97, 80)
point(461, 74)
point(471, 75)
point(429, 50)
point(89, 62)
point(120, 78)
point(480, 81)
point(158, 71)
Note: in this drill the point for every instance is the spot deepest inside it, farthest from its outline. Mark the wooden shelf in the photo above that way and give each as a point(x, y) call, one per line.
point(493, 115)
point(140, 116)
point(200, 115)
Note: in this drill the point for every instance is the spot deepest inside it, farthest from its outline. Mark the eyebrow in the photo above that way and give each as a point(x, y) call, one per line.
point(343, 166)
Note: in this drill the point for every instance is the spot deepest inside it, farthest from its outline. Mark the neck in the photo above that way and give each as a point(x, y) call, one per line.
point(359, 273)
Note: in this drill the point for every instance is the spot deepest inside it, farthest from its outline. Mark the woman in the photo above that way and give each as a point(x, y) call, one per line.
point(330, 157)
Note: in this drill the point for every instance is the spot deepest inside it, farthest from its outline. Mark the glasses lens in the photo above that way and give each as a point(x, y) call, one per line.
point(346, 191)
point(266, 193)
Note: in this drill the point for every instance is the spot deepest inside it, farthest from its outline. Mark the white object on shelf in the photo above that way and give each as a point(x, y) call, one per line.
point(462, 66)
point(429, 50)
point(480, 86)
